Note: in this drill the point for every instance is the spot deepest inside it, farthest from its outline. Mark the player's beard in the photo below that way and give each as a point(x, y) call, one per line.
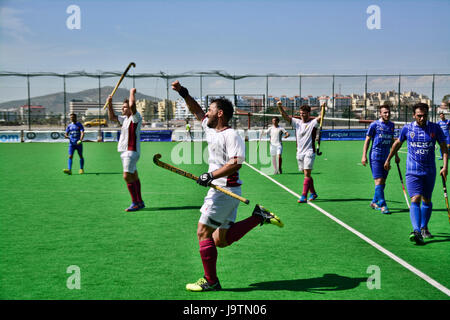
point(212, 122)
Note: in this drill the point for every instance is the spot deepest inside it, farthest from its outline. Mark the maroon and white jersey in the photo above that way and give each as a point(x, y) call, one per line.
point(130, 135)
point(222, 147)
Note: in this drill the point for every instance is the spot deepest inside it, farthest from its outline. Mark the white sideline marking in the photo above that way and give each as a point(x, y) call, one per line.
point(405, 264)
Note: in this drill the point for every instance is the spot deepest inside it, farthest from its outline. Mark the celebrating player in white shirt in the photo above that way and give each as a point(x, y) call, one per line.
point(216, 226)
point(305, 131)
point(276, 146)
point(130, 146)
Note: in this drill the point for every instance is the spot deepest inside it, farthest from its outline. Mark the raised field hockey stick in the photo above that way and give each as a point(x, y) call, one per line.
point(322, 114)
point(403, 186)
point(183, 173)
point(445, 196)
point(132, 64)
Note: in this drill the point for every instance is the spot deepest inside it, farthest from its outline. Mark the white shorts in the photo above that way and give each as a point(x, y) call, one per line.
point(219, 210)
point(306, 160)
point(129, 161)
point(276, 150)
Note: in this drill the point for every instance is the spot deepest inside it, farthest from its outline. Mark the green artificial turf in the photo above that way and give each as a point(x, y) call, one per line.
point(50, 221)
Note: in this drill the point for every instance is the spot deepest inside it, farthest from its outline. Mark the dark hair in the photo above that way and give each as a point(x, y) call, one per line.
point(306, 108)
point(225, 105)
point(73, 114)
point(385, 106)
point(276, 118)
point(421, 106)
point(126, 101)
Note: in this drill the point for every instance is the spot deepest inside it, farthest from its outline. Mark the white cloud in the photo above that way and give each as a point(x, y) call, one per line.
point(12, 25)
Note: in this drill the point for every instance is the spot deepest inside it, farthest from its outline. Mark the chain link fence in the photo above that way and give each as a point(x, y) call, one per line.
point(43, 101)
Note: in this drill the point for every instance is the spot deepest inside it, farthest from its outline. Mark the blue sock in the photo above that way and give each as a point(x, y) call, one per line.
point(414, 213)
point(425, 214)
point(381, 200)
point(82, 163)
point(378, 193)
point(70, 163)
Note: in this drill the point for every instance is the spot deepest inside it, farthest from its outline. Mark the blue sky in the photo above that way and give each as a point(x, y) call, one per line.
point(238, 37)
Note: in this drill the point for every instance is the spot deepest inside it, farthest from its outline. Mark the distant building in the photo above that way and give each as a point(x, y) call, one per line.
point(148, 109)
point(166, 110)
point(9, 115)
point(34, 113)
point(80, 108)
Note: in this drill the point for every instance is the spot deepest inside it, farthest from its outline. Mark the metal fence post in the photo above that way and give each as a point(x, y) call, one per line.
point(29, 102)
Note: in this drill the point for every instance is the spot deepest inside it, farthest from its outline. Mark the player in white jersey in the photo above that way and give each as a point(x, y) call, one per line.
point(305, 132)
point(216, 226)
point(129, 146)
point(276, 146)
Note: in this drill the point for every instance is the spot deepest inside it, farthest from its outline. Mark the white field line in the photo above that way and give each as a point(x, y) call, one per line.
point(402, 262)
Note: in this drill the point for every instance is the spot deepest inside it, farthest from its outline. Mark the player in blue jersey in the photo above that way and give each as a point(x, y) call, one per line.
point(421, 136)
point(381, 132)
point(445, 126)
point(75, 134)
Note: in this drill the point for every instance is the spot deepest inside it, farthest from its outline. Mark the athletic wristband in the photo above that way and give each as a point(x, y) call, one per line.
point(183, 92)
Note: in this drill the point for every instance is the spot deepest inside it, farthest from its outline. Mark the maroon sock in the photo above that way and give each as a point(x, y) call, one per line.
point(279, 164)
point(239, 229)
point(137, 185)
point(208, 253)
point(132, 190)
point(306, 183)
point(311, 185)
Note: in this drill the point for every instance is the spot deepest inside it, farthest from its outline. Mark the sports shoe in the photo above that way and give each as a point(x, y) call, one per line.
point(302, 199)
point(67, 171)
point(374, 205)
point(132, 207)
point(267, 217)
point(203, 285)
point(426, 233)
point(417, 237)
point(440, 158)
point(81, 171)
point(141, 205)
point(385, 210)
point(312, 197)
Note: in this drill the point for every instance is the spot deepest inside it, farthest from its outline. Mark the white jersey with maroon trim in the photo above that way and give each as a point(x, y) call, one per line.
point(276, 134)
point(303, 134)
point(130, 134)
point(222, 147)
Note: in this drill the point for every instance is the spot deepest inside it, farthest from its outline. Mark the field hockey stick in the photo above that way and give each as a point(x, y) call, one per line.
point(445, 195)
point(183, 173)
point(322, 114)
point(403, 186)
point(132, 64)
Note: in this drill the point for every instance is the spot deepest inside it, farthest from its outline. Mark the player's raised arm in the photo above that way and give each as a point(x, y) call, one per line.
point(283, 113)
point(111, 115)
point(132, 100)
point(193, 106)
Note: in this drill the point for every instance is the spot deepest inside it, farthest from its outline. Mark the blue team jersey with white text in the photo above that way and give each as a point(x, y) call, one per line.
point(74, 132)
point(382, 135)
point(445, 126)
point(421, 143)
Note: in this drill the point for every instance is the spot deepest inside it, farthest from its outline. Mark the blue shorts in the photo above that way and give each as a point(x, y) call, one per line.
point(378, 170)
point(420, 185)
point(78, 147)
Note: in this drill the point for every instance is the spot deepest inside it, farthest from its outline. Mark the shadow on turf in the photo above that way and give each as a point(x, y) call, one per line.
point(97, 173)
point(328, 282)
point(445, 237)
point(171, 208)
